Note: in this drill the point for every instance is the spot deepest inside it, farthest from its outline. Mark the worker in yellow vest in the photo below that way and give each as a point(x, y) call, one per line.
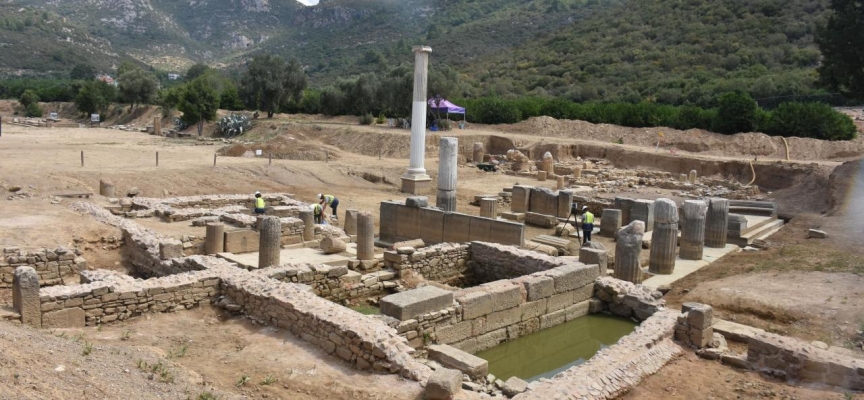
point(587, 224)
point(318, 212)
point(260, 206)
point(328, 200)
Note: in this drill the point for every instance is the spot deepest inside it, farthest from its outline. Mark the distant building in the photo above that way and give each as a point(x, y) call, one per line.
point(173, 77)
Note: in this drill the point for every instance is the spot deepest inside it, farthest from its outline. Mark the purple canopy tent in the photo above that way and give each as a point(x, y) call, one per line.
point(445, 106)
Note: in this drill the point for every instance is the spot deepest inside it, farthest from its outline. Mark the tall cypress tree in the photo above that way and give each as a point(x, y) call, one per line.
point(841, 41)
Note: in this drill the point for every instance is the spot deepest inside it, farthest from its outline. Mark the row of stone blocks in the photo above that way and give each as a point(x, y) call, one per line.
point(50, 265)
point(403, 222)
point(541, 201)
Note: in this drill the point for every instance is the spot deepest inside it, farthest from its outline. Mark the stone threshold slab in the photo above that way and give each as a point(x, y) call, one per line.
point(687, 267)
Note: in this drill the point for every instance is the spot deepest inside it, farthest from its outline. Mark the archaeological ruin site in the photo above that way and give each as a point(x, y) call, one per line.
point(456, 266)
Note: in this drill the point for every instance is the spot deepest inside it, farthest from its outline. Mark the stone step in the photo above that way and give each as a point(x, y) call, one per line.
point(765, 230)
point(734, 331)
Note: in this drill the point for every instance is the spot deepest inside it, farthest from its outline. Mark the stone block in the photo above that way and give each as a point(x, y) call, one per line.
point(599, 257)
point(543, 201)
point(387, 223)
point(504, 295)
point(509, 233)
point(241, 241)
point(514, 386)
point(699, 316)
point(701, 337)
point(65, 318)
point(559, 302)
point(480, 229)
point(431, 225)
point(541, 220)
point(444, 384)
point(565, 202)
point(453, 333)
point(456, 227)
point(643, 210)
point(503, 319)
point(416, 302)
point(521, 196)
point(171, 248)
point(475, 304)
point(577, 310)
point(451, 357)
point(552, 319)
point(570, 277)
point(513, 216)
point(407, 223)
point(417, 202)
point(490, 340)
point(25, 296)
point(538, 286)
point(533, 309)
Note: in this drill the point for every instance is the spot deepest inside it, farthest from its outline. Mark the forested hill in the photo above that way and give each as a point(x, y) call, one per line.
point(671, 51)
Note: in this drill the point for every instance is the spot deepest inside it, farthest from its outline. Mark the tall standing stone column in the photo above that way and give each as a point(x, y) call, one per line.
point(308, 219)
point(610, 222)
point(478, 152)
point(489, 208)
point(693, 229)
point(448, 159)
point(548, 164)
point(664, 237)
point(270, 242)
point(351, 222)
point(716, 223)
point(214, 242)
point(628, 248)
point(157, 126)
point(365, 236)
point(520, 200)
point(25, 296)
point(416, 180)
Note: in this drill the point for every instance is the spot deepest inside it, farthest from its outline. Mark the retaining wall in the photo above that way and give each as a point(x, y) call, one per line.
point(797, 360)
point(50, 265)
point(445, 262)
point(335, 283)
point(490, 262)
point(400, 222)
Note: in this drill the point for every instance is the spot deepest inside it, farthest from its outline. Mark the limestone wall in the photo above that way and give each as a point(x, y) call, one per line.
point(364, 342)
point(626, 299)
point(51, 265)
point(615, 370)
point(445, 262)
point(110, 296)
point(490, 262)
point(487, 315)
point(400, 222)
point(335, 283)
point(797, 360)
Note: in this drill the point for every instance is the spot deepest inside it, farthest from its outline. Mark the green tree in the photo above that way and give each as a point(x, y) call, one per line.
point(736, 112)
point(199, 102)
point(269, 82)
point(33, 110)
point(841, 41)
point(229, 99)
point(137, 86)
point(816, 120)
point(28, 97)
point(82, 72)
point(195, 71)
point(94, 97)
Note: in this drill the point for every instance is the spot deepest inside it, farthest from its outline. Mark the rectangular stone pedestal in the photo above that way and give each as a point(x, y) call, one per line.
point(419, 186)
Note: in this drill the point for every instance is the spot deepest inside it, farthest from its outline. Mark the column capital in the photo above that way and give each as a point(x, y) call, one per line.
point(421, 49)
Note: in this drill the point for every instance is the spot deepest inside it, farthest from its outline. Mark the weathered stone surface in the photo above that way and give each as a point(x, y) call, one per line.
point(350, 224)
point(270, 229)
point(171, 248)
point(66, 318)
point(475, 304)
point(330, 245)
point(627, 251)
point(664, 238)
point(215, 240)
point(365, 236)
point(643, 210)
point(451, 357)
point(444, 384)
point(489, 208)
point(514, 386)
point(816, 234)
point(716, 223)
point(417, 201)
point(25, 296)
point(610, 222)
point(593, 256)
point(519, 201)
point(241, 241)
point(693, 229)
point(415, 302)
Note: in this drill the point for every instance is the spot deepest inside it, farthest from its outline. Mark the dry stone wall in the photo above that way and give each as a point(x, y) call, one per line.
point(335, 283)
point(491, 262)
point(110, 296)
point(445, 262)
point(50, 265)
point(628, 300)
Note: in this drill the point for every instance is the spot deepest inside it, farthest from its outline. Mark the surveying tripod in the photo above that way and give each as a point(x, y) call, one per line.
point(574, 212)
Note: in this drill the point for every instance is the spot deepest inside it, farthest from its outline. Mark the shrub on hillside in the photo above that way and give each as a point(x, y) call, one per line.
point(366, 119)
point(33, 111)
point(736, 112)
point(494, 110)
point(814, 120)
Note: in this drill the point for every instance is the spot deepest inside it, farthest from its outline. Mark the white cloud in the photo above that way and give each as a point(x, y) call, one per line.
point(308, 2)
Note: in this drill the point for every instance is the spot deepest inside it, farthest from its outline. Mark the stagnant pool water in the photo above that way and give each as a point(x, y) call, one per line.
point(545, 353)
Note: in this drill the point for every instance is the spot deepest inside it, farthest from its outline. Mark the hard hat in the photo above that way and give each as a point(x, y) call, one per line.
point(257, 193)
point(584, 208)
point(319, 195)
